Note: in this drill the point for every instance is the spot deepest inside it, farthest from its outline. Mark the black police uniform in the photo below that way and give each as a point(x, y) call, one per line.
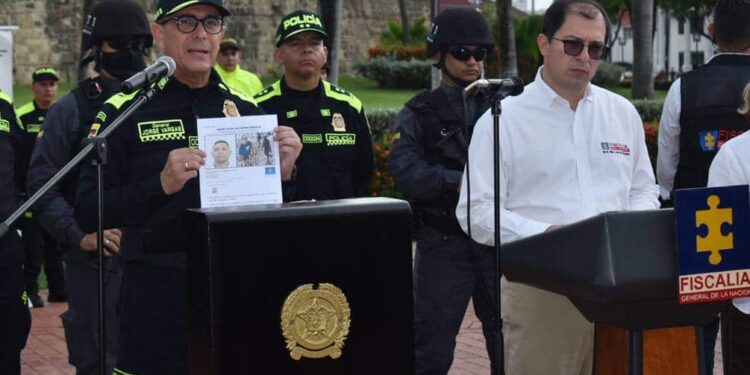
point(427, 162)
point(153, 302)
point(66, 124)
point(337, 158)
point(40, 246)
point(15, 320)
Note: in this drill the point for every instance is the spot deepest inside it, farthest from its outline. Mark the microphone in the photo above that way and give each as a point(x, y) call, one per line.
point(511, 86)
point(163, 67)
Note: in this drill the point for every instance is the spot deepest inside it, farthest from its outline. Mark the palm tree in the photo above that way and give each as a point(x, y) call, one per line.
point(404, 21)
point(643, 56)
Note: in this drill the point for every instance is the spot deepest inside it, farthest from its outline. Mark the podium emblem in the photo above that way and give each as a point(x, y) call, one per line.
point(714, 241)
point(315, 321)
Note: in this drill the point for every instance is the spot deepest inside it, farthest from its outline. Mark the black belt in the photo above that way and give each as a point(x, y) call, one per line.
point(444, 224)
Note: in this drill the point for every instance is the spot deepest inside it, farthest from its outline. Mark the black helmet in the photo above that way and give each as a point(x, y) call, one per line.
point(115, 18)
point(459, 26)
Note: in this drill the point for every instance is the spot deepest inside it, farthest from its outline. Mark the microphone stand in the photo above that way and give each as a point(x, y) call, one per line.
point(97, 147)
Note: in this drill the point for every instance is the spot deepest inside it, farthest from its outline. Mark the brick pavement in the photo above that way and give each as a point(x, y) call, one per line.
point(46, 353)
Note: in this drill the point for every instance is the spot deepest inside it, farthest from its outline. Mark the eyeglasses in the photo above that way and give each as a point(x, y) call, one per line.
point(597, 51)
point(464, 54)
point(188, 24)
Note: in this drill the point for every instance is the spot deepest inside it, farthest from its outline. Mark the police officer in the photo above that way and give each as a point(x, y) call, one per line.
point(40, 246)
point(337, 159)
point(228, 67)
point(15, 320)
point(700, 115)
point(150, 179)
point(427, 161)
point(115, 38)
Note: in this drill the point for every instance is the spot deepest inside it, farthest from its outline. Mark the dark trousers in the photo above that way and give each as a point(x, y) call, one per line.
point(153, 321)
point(81, 320)
point(15, 319)
point(450, 269)
point(735, 341)
point(42, 249)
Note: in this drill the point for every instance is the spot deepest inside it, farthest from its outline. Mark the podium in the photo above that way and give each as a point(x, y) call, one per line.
point(301, 288)
point(619, 269)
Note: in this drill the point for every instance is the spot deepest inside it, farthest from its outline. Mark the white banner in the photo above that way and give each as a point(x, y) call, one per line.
point(6, 59)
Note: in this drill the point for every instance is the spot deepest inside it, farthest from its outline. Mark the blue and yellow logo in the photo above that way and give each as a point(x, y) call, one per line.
point(708, 140)
point(712, 230)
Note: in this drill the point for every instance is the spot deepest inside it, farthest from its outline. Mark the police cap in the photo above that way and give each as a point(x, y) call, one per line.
point(110, 19)
point(167, 7)
point(229, 43)
point(459, 26)
point(298, 22)
point(44, 73)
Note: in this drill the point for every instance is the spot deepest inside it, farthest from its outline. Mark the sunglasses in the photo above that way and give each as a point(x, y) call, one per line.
point(124, 43)
point(597, 51)
point(464, 54)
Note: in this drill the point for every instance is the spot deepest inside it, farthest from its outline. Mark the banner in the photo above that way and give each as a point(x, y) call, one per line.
point(6, 59)
point(713, 243)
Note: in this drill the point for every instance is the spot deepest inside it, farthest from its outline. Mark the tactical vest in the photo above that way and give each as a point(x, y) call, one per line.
point(444, 139)
point(710, 96)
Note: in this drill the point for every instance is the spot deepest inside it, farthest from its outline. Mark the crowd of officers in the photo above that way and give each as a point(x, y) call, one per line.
point(326, 152)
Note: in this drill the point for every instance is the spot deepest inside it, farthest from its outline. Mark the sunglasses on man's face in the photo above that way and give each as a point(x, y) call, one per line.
point(572, 47)
point(464, 54)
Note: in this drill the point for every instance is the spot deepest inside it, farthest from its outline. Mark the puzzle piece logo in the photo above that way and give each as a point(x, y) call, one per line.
point(708, 140)
point(712, 219)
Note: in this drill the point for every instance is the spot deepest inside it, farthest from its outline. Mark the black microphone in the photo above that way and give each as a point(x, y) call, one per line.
point(511, 86)
point(163, 67)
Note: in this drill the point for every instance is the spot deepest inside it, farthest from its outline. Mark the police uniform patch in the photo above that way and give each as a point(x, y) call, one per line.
point(4, 125)
point(338, 123)
point(94, 130)
point(230, 109)
point(347, 139)
point(193, 141)
point(315, 321)
point(312, 138)
point(162, 130)
point(101, 116)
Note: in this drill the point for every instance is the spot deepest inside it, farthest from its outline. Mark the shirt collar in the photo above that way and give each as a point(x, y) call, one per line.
point(550, 96)
point(726, 54)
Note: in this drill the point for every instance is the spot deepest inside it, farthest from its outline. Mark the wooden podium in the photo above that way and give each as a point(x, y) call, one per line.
point(620, 271)
point(302, 288)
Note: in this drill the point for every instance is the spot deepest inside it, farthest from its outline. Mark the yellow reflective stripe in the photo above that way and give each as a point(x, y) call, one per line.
point(117, 371)
point(26, 108)
point(4, 96)
point(119, 99)
point(241, 95)
point(342, 96)
point(269, 92)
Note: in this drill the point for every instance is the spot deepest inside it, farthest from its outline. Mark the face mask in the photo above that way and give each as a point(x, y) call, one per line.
point(121, 64)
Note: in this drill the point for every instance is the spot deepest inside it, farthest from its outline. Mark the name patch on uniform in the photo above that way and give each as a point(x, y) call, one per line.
point(162, 130)
point(33, 128)
point(615, 148)
point(312, 138)
point(193, 141)
point(325, 112)
point(4, 126)
point(345, 139)
point(291, 114)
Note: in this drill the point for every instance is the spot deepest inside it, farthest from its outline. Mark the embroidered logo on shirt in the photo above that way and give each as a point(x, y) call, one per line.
point(33, 128)
point(346, 139)
point(101, 116)
point(193, 141)
point(338, 123)
point(615, 148)
point(291, 114)
point(4, 126)
point(162, 130)
point(312, 138)
point(325, 112)
point(230, 109)
point(708, 139)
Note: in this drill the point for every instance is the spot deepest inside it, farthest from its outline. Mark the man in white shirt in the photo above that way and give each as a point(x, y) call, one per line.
point(731, 166)
point(570, 150)
point(700, 115)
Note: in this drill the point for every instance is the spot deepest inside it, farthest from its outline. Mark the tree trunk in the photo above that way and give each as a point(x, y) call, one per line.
point(643, 54)
point(331, 12)
point(507, 46)
point(85, 9)
point(405, 21)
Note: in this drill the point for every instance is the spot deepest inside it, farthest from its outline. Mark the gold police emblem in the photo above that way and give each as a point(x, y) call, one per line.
point(315, 321)
point(338, 123)
point(230, 109)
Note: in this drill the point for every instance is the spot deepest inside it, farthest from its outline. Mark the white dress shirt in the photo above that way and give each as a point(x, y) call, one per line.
point(731, 166)
point(559, 166)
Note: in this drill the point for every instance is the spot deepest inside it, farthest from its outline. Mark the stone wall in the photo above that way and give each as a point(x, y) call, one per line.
point(49, 30)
